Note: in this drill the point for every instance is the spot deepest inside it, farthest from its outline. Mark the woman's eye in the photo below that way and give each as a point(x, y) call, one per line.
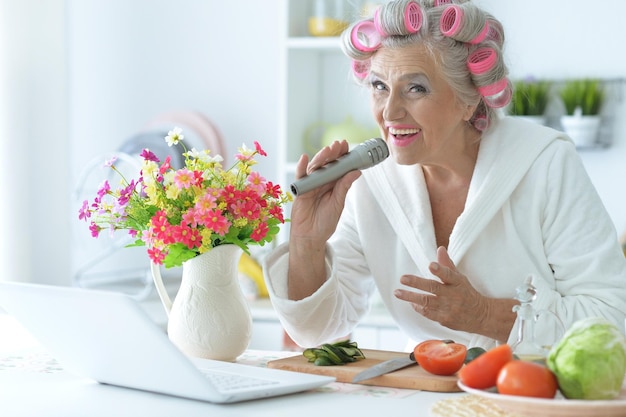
point(377, 85)
point(417, 88)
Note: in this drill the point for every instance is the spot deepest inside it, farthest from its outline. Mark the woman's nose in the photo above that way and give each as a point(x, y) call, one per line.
point(393, 108)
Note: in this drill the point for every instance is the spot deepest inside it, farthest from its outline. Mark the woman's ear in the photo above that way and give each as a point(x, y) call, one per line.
point(469, 111)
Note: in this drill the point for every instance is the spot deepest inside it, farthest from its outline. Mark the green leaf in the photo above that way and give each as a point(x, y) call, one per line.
point(178, 253)
point(137, 242)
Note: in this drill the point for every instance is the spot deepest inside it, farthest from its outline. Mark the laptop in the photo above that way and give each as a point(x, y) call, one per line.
point(108, 337)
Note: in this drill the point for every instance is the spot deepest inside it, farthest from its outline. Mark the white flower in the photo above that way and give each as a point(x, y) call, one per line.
point(204, 156)
point(245, 151)
point(174, 136)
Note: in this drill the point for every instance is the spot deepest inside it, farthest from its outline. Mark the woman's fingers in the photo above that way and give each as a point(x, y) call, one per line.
point(444, 259)
point(328, 154)
point(301, 166)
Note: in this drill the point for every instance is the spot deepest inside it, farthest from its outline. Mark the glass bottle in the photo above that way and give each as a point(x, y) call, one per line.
point(525, 346)
point(328, 18)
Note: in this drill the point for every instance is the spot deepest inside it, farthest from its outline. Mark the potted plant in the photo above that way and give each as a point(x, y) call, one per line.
point(582, 99)
point(530, 99)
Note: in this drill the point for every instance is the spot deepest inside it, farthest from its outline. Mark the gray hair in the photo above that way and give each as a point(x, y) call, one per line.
point(465, 41)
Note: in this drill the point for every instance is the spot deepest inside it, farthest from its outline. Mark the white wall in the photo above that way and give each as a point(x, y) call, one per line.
point(35, 149)
point(131, 60)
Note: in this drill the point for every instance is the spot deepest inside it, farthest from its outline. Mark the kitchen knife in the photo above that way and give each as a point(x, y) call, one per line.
point(384, 368)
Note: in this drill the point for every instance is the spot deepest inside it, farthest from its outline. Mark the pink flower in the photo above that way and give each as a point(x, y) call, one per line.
point(94, 229)
point(84, 213)
point(272, 190)
point(215, 221)
point(260, 232)
point(277, 212)
point(126, 193)
point(184, 178)
point(248, 209)
point(189, 217)
point(259, 150)
point(156, 255)
point(198, 179)
point(257, 182)
point(230, 194)
point(187, 236)
point(160, 225)
point(109, 163)
point(166, 165)
point(205, 203)
point(148, 155)
point(243, 157)
point(104, 189)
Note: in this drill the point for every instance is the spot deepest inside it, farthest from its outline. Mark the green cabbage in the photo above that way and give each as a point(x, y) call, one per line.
point(590, 360)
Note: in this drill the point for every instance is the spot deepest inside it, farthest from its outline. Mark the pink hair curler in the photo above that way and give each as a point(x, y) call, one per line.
point(412, 17)
point(481, 123)
point(495, 88)
point(494, 35)
point(481, 35)
point(498, 94)
point(360, 68)
point(482, 60)
point(450, 22)
point(365, 37)
point(377, 25)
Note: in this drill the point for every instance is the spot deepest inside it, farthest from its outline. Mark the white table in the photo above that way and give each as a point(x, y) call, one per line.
point(32, 383)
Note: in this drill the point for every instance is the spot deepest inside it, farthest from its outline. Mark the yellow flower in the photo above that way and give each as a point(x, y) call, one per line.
point(172, 191)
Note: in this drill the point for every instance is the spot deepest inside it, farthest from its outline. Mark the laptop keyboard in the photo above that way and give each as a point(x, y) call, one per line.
point(235, 382)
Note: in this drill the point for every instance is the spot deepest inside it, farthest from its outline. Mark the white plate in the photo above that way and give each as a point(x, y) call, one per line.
point(557, 407)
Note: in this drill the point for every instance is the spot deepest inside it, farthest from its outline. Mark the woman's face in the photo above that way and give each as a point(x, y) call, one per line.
point(415, 108)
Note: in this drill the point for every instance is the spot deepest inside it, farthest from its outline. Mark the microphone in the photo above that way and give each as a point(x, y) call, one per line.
point(364, 155)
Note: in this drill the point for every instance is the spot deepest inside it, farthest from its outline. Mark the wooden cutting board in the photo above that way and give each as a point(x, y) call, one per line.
point(412, 377)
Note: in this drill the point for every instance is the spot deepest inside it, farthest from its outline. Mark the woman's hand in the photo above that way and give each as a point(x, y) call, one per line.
point(455, 304)
point(314, 215)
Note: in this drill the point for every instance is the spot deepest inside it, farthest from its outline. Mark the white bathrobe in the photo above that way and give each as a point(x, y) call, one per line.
point(531, 210)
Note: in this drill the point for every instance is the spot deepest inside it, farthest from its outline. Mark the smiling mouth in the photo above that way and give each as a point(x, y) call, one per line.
point(403, 133)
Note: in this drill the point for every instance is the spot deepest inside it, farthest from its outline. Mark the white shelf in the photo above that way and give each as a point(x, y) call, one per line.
point(314, 43)
point(317, 87)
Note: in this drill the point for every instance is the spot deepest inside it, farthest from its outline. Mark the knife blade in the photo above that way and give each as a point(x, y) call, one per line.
point(384, 368)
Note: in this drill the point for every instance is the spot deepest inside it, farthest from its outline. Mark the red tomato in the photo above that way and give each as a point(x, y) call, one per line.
point(526, 379)
point(483, 371)
point(439, 357)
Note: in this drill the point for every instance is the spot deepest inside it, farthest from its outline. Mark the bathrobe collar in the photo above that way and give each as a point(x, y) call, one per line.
point(504, 157)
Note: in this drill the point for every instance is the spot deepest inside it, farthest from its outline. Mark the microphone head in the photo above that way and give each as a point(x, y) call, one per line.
point(376, 150)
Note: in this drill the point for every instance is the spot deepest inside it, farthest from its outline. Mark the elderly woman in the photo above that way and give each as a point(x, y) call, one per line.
point(466, 208)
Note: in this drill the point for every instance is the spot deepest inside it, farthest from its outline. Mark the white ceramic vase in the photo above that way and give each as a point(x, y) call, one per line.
point(209, 317)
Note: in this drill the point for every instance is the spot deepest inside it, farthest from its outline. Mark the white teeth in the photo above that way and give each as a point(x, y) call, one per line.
point(403, 131)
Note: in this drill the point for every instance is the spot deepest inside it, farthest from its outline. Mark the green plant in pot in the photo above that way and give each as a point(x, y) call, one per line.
point(582, 99)
point(530, 99)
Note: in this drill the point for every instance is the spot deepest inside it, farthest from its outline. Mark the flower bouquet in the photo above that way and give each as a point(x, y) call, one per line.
point(180, 214)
